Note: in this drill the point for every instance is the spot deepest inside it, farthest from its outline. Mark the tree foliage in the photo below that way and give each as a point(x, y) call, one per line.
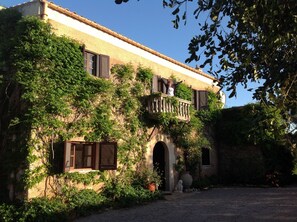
point(253, 41)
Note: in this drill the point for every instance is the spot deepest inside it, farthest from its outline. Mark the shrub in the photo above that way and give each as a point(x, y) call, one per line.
point(205, 182)
point(8, 213)
point(38, 209)
point(44, 209)
point(124, 195)
point(145, 176)
point(82, 202)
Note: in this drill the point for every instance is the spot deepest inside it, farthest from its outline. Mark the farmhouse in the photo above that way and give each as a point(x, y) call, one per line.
point(119, 124)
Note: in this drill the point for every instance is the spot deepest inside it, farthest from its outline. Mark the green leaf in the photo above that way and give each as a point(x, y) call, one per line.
point(175, 11)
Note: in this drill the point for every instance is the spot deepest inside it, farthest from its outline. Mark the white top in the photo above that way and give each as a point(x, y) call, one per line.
point(170, 91)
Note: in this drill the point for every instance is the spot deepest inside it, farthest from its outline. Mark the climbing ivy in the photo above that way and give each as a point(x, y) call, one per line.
point(49, 97)
point(183, 92)
point(213, 111)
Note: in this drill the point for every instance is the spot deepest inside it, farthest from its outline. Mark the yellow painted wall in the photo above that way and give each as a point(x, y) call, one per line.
point(121, 56)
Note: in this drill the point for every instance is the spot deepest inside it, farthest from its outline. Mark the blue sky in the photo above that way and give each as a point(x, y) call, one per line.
point(144, 21)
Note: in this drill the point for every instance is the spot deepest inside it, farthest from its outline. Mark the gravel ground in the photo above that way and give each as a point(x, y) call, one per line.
point(217, 204)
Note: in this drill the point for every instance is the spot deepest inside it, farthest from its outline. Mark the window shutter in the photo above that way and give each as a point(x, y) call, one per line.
point(85, 59)
point(97, 66)
point(56, 157)
point(83, 50)
point(67, 156)
point(108, 156)
point(96, 155)
point(93, 155)
point(163, 87)
point(196, 99)
point(155, 84)
point(104, 66)
point(203, 99)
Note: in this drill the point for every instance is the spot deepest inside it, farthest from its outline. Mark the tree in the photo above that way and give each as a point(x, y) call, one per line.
point(251, 40)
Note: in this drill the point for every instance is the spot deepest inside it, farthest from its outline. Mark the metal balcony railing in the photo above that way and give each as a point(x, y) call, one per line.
point(163, 103)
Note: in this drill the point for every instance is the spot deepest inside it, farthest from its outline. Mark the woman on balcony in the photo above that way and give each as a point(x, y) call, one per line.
point(170, 86)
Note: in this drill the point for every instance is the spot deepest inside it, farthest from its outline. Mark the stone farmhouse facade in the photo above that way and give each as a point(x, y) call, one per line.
point(104, 48)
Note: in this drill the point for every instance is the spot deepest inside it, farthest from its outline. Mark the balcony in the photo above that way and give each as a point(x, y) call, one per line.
point(162, 103)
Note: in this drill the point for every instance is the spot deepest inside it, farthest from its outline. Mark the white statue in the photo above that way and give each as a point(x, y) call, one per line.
point(179, 186)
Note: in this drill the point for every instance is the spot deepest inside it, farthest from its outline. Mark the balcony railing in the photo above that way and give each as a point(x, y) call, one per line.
point(163, 103)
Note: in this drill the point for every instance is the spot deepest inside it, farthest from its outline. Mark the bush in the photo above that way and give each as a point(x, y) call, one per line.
point(123, 195)
point(83, 202)
point(205, 182)
point(8, 213)
point(38, 209)
point(44, 209)
point(76, 203)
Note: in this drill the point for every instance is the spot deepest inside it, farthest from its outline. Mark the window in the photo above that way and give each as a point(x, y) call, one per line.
point(97, 65)
point(158, 85)
point(91, 63)
point(200, 99)
point(79, 155)
point(87, 155)
point(205, 156)
point(82, 156)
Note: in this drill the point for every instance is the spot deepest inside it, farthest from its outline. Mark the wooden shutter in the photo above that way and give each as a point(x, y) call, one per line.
point(96, 66)
point(200, 99)
point(104, 66)
point(83, 50)
point(162, 86)
point(196, 99)
point(155, 84)
point(96, 155)
point(56, 157)
point(67, 156)
point(203, 99)
point(108, 156)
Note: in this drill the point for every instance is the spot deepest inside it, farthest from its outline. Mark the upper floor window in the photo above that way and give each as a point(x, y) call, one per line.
point(158, 85)
point(91, 63)
point(161, 85)
point(97, 65)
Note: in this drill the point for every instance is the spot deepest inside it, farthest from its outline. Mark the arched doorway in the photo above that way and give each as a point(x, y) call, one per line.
point(159, 162)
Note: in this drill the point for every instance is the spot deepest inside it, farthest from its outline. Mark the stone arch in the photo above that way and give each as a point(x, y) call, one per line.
point(162, 144)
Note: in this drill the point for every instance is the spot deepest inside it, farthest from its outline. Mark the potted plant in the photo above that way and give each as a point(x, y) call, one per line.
point(148, 178)
point(151, 178)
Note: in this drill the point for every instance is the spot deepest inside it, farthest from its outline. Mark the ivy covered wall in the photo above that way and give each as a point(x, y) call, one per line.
point(252, 146)
point(47, 97)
